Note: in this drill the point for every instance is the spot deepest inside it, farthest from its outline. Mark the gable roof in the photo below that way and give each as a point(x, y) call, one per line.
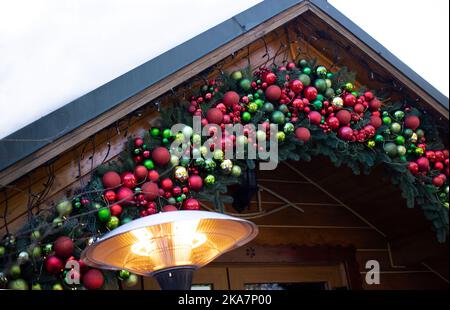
point(88, 109)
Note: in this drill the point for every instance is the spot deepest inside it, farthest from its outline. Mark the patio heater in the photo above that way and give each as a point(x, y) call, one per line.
point(169, 246)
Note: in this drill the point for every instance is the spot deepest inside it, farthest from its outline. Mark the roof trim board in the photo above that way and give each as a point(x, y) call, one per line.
point(52, 127)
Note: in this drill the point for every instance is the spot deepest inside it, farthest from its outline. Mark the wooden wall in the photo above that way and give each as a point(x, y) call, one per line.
point(326, 220)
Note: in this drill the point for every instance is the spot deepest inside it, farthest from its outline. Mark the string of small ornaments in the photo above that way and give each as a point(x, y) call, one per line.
point(284, 96)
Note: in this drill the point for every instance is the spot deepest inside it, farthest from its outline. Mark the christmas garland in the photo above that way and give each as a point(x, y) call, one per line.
point(316, 111)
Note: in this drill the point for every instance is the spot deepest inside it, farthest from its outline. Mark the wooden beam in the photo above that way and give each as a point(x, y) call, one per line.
point(66, 142)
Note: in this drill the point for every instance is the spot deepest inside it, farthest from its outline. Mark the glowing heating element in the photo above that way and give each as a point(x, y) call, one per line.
point(167, 240)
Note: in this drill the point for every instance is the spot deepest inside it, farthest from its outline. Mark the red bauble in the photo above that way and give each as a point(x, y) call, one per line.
point(370, 130)
point(176, 191)
point(129, 180)
point(195, 183)
point(439, 166)
point(140, 172)
point(439, 156)
point(273, 93)
point(138, 142)
point(63, 247)
point(110, 196)
point(412, 122)
point(359, 108)
point(115, 210)
point(167, 184)
point(303, 134)
point(368, 95)
point(431, 155)
point(376, 121)
point(169, 208)
point(439, 180)
point(214, 116)
point(153, 175)
point(424, 164)
point(111, 179)
point(333, 122)
point(53, 265)
point(191, 204)
point(161, 156)
point(374, 104)
point(344, 117)
point(125, 195)
point(413, 167)
point(231, 98)
point(310, 93)
point(270, 78)
point(93, 279)
point(150, 191)
point(315, 117)
point(345, 133)
point(349, 100)
point(296, 86)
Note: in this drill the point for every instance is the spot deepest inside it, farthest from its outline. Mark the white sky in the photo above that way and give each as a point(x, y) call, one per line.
point(54, 51)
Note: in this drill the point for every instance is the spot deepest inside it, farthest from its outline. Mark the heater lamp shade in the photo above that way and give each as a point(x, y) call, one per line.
point(169, 240)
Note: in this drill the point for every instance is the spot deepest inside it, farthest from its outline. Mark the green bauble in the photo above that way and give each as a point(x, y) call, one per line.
point(167, 133)
point(317, 104)
point(349, 86)
point(281, 136)
point(329, 83)
point(64, 208)
point(387, 120)
point(218, 155)
point(420, 133)
point(155, 132)
point(399, 115)
point(371, 144)
point(48, 248)
point(36, 252)
point(307, 70)
point(245, 84)
point(252, 107)
point(226, 166)
point(390, 149)
point(278, 117)
point(104, 215)
point(36, 287)
point(305, 79)
point(329, 93)
point(57, 287)
point(210, 179)
point(303, 63)
point(210, 164)
point(241, 140)
point(200, 162)
point(396, 127)
point(236, 75)
point(57, 221)
point(15, 271)
point(185, 161)
point(131, 281)
point(246, 117)
point(126, 220)
point(289, 128)
point(148, 163)
point(113, 222)
point(283, 108)
point(172, 201)
point(419, 151)
point(259, 103)
point(35, 235)
point(401, 150)
point(18, 284)
point(261, 135)
point(2, 251)
point(408, 133)
point(321, 85)
point(236, 171)
point(379, 138)
point(321, 71)
point(400, 140)
point(123, 274)
point(268, 107)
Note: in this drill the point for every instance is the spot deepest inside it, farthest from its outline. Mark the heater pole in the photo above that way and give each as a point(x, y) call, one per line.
point(179, 278)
